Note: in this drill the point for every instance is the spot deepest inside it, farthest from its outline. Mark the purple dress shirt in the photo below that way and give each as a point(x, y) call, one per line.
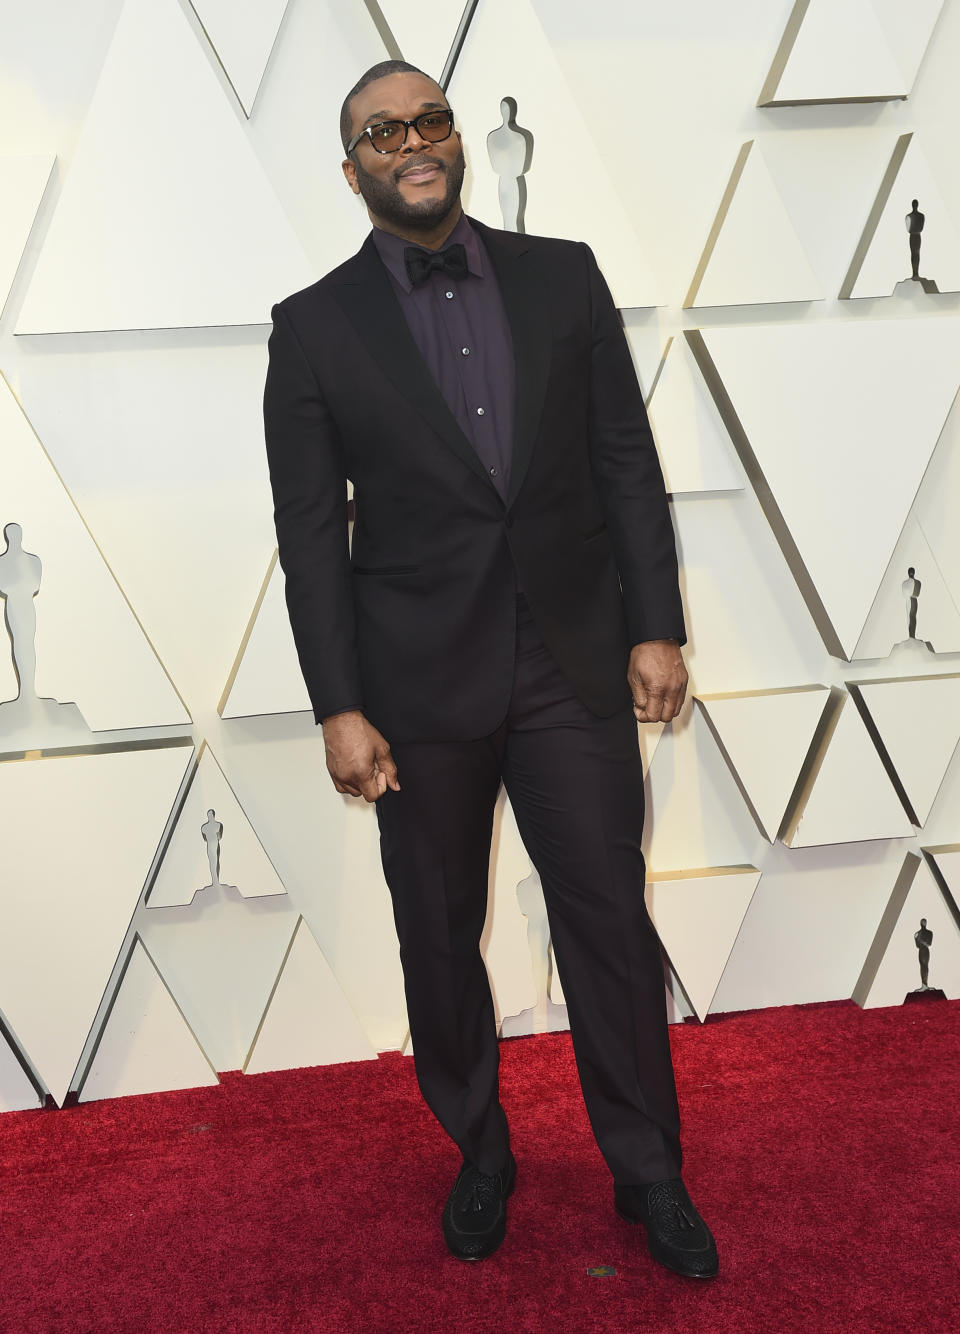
point(461, 329)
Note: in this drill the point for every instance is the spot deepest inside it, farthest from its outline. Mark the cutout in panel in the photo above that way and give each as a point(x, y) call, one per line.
point(23, 181)
point(752, 254)
point(67, 900)
point(716, 900)
point(506, 53)
point(914, 614)
point(545, 1015)
point(146, 1045)
point(909, 240)
point(307, 1019)
point(211, 826)
point(836, 509)
point(915, 955)
point(72, 635)
point(768, 739)
point(166, 218)
point(510, 150)
point(242, 33)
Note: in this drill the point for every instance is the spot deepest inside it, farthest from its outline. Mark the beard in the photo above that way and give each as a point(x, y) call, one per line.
point(382, 195)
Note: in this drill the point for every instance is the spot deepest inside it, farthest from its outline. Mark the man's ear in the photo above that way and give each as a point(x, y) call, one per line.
point(350, 174)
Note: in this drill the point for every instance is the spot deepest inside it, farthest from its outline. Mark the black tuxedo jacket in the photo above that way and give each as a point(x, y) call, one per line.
point(416, 625)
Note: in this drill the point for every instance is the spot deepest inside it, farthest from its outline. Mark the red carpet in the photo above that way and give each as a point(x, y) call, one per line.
point(822, 1145)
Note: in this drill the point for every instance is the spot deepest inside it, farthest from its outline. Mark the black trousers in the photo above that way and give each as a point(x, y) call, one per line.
point(575, 782)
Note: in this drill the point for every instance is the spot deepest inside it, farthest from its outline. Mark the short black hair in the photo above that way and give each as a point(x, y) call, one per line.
point(374, 73)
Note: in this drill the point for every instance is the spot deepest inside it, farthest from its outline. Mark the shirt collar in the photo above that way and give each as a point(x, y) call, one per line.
point(390, 249)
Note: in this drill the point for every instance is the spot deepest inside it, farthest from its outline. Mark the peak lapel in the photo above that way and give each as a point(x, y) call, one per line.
point(367, 298)
point(524, 299)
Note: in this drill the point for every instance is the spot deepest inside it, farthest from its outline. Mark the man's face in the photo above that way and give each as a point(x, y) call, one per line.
point(415, 188)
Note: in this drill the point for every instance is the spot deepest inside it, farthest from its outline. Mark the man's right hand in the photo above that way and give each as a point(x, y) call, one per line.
point(358, 757)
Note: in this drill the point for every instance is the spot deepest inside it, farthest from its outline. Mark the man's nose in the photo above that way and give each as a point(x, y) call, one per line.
point(414, 143)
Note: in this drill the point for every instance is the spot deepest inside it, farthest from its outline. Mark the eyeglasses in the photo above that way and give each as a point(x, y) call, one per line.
point(389, 136)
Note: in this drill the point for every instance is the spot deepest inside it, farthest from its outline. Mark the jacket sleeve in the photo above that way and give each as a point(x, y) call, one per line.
point(629, 480)
point(308, 477)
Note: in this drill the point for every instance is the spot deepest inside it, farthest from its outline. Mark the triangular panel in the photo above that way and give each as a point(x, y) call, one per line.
point(146, 1045)
point(266, 677)
point(242, 32)
point(851, 799)
point(220, 956)
point(849, 51)
point(89, 648)
point(23, 180)
point(883, 259)
point(308, 1020)
point(753, 254)
point(697, 915)
point(506, 54)
point(430, 46)
point(212, 844)
point(917, 944)
point(838, 472)
point(166, 218)
point(911, 611)
point(918, 724)
point(79, 834)
point(766, 737)
point(693, 444)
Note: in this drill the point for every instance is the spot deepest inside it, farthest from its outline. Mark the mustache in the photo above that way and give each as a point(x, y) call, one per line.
point(413, 163)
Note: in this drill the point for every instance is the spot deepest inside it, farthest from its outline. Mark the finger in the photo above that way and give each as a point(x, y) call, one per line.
point(346, 789)
point(368, 788)
point(388, 767)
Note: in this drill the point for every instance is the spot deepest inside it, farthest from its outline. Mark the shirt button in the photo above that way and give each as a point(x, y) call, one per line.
point(493, 472)
point(464, 352)
point(448, 295)
point(479, 412)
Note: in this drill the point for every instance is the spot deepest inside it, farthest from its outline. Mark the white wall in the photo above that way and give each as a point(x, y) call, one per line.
point(156, 435)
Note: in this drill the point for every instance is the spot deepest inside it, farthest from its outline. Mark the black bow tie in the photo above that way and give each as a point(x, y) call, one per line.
point(421, 263)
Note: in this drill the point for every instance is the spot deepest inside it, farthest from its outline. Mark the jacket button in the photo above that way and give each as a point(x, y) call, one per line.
point(509, 520)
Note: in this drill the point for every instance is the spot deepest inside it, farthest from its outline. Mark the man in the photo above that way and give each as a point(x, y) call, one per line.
point(512, 579)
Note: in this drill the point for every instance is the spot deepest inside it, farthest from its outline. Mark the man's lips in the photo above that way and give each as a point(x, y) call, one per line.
point(423, 173)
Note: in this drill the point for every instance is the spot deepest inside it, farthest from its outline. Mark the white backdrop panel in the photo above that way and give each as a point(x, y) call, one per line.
point(918, 719)
point(852, 798)
point(425, 44)
point(887, 259)
point(242, 32)
point(753, 253)
point(765, 738)
point(896, 972)
point(146, 1045)
point(79, 835)
point(717, 899)
point(506, 54)
point(844, 463)
point(692, 442)
point(159, 439)
point(186, 867)
point(90, 648)
point(307, 1020)
point(165, 219)
point(267, 676)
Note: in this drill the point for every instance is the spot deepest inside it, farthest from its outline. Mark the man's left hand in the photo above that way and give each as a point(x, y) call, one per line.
point(657, 679)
